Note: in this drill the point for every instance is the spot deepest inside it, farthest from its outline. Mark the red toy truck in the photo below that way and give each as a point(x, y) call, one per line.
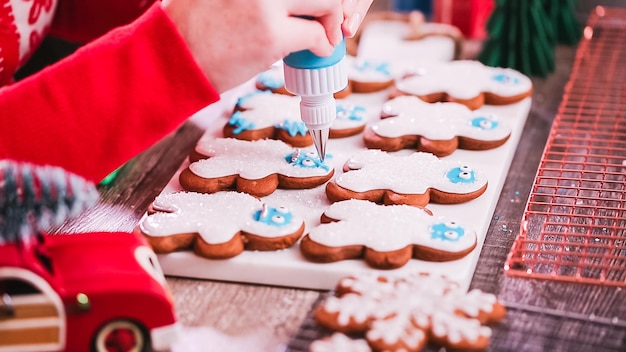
point(84, 292)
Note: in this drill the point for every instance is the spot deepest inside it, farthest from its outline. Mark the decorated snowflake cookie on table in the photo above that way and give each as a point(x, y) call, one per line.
point(439, 128)
point(218, 225)
point(466, 82)
point(257, 167)
point(408, 312)
point(415, 179)
point(263, 115)
point(385, 236)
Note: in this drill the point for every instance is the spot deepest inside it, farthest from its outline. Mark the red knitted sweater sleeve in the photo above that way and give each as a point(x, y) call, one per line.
point(107, 102)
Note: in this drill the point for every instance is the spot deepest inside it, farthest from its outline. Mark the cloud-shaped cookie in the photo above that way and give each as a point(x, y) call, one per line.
point(263, 115)
point(415, 179)
point(257, 168)
point(385, 236)
point(466, 82)
point(219, 225)
point(439, 128)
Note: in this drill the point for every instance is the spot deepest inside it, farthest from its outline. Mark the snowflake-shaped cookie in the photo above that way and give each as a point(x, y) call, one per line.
point(464, 81)
point(406, 313)
point(385, 236)
point(439, 128)
point(263, 115)
point(414, 179)
point(218, 225)
point(257, 168)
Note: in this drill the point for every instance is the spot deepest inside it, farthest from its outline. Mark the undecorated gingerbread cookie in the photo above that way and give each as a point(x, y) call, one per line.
point(438, 128)
point(415, 179)
point(219, 225)
point(257, 168)
point(466, 82)
point(263, 114)
point(385, 236)
point(408, 312)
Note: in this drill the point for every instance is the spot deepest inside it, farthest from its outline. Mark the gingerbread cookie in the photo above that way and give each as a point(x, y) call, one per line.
point(368, 76)
point(385, 236)
point(406, 313)
point(257, 168)
point(466, 82)
point(219, 225)
point(438, 128)
point(405, 38)
point(415, 179)
point(339, 342)
point(263, 114)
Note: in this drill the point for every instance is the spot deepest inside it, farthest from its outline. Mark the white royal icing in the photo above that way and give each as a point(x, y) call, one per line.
point(437, 121)
point(339, 342)
point(464, 79)
point(369, 70)
point(252, 159)
point(216, 216)
point(408, 174)
point(387, 228)
point(264, 109)
point(429, 301)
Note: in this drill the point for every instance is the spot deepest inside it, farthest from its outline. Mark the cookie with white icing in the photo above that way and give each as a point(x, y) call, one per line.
point(405, 313)
point(339, 342)
point(257, 167)
point(385, 236)
point(415, 179)
point(219, 225)
point(438, 128)
point(369, 75)
point(466, 82)
point(265, 115)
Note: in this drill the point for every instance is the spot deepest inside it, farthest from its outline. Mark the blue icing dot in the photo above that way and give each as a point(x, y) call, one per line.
point(242, 100)
point(365, 65)
point(484, 123)
point(350, 112)
point(462, 174)
point(309, 160)
point(241, 123)
point(293, 127)
point(449, 231)
point(274, 216)
point(270, 80)
point(505, 78)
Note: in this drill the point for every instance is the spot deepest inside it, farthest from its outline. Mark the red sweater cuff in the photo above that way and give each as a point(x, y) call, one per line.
point(107, 102)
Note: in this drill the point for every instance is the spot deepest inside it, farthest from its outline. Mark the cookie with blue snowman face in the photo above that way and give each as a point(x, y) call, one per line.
point(415, 179)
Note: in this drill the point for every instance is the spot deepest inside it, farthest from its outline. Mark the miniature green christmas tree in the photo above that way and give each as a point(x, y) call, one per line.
point(34, 198)
point(520, 37)
point(562, 14)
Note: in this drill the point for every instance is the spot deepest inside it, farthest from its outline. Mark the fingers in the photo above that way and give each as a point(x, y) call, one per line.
point(354, 11)
point(328, 13)
point(306, 34)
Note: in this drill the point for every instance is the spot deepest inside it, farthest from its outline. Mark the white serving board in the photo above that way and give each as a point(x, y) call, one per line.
point(289, 268)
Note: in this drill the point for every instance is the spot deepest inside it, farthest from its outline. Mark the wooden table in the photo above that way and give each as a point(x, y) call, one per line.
point(543, 315)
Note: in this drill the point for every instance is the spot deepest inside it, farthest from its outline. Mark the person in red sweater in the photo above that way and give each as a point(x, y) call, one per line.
point(145, 68)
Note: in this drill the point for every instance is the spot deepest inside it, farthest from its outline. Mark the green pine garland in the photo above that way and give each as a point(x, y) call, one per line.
point(520, 37)
point(562, 15)
point(33, 198)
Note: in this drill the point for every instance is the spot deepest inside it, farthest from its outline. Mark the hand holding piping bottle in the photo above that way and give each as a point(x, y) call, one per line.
point(236, 39)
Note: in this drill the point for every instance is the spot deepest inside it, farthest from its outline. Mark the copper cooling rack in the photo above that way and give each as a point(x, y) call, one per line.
point(574, 225)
